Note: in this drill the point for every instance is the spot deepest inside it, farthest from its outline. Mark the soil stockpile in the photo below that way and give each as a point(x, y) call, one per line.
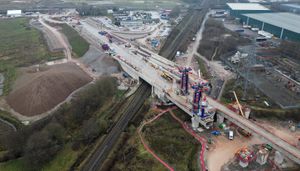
point(36, 92)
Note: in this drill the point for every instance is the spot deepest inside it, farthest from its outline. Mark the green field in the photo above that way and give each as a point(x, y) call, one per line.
point(21, 45)
point(79, 45)
point(168, 140)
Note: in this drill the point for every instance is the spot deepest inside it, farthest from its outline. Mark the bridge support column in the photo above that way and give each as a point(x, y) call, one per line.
point(152, 91)
point(195, 123)
point(278, 158)
point(220, 119)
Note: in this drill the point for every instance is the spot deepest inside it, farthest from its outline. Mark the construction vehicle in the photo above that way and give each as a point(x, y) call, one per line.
point(154, 66)
point(268, 146)
point(145, 59)
point(109, 38)
point(135, 52)
point(128, 45)
point(166, 76)
point(105, 47)
point(244, 132)
point(144, 51)
point(102, 33)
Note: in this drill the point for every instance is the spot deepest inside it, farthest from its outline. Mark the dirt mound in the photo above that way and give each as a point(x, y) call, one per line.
point(45, 89)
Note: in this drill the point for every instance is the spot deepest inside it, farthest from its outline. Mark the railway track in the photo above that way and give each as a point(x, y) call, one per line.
point(97, 159)
point(180, 36)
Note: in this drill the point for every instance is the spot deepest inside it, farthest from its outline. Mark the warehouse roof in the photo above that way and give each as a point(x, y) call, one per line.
point(256, 1)
point(287, 21)
point(292, 5)
point(246, 6)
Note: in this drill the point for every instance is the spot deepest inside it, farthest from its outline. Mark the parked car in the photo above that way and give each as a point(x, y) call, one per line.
point(230, 135)
point(215, 132)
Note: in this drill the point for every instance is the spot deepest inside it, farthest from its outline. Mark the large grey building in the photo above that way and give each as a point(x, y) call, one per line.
point(237, 9)
point(294, 8)
point(282, 25)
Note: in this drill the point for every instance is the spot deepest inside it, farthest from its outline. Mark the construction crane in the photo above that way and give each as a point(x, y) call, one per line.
point(241, 130)
point(238, 103)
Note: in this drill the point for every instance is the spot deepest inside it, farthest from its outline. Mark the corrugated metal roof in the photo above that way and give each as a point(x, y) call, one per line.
point(284, 20)
point(292, 5)
point(246, 6)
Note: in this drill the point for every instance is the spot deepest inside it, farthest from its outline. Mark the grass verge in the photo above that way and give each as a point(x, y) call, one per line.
point(217, 40)
point(79, 45)
point(202, 67)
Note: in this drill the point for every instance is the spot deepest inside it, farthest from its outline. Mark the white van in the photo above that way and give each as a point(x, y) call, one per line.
point(230, 135)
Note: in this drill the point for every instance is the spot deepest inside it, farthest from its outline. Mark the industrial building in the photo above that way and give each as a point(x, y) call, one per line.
point(14, 13)
point(294, 8)
point(282, 25)
point(237, 9)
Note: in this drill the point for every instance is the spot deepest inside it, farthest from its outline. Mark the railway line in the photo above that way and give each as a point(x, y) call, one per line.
point(97, 159)
point(181, 35)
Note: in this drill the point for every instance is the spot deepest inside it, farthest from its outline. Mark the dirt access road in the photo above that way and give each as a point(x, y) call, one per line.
point(67, 50)
point(214, 67)
point(59, 37)
point(224, 150)
point(195, 45)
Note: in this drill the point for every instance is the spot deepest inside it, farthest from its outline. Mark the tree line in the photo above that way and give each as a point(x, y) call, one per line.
point(90, 10)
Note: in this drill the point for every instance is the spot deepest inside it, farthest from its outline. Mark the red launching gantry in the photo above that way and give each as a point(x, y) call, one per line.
point(185, 80)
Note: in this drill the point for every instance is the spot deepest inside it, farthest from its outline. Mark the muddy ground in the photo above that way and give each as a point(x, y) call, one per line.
point(99, 62)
